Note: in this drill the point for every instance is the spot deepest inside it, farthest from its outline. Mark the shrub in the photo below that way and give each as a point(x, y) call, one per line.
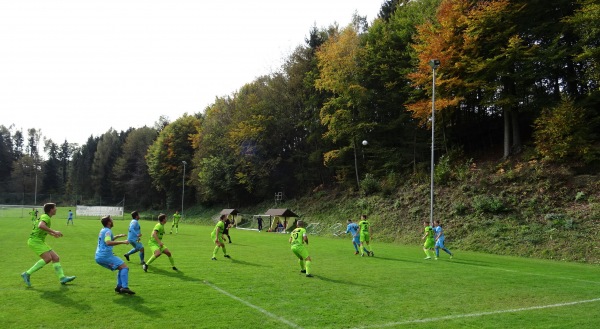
point(486, 204)
point(369, 185)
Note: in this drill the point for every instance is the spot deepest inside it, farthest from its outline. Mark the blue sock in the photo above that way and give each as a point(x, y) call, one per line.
point(119, 279)
point(355, 247)
point(124, 277)
point(448, 251)
point(141, 256)
point(131, 251)
point(437, 252)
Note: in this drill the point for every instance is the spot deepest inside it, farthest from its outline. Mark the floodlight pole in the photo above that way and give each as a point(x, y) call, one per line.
point(434, 63)
point(183, 186)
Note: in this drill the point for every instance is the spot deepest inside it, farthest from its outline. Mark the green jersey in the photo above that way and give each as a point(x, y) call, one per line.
point(37, 232)
point(429, 232)
point(298, 235)
point(176, 218)
point(221, 226)
point(160, 228)
point(364, 226)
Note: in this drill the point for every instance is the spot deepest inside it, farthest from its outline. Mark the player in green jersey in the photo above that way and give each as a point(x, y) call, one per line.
point(299, 241)
point(364, 231)
point(217, 236)
point(176, 218)
point(156, 245)
point(33, 213)
point(429, 240)
point(37, 243)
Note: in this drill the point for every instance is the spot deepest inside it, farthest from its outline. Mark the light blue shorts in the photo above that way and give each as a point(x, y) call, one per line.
point(111, 263)
point(136, 244)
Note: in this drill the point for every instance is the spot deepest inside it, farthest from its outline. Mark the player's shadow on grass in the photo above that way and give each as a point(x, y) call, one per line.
point(173, 274)
point(241, 262)
point(59, 297)
point(136, 303)
point(404, 260)
point(350, 283)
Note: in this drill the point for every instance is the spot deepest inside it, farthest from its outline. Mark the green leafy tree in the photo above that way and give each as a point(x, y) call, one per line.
point(107, 152)
point(130, 173)
point(173, 145)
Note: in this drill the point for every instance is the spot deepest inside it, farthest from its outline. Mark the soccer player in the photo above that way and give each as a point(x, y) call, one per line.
point(228, 224)
point(298, 240)
point(156, 244)
point(364, 230)
point(33, 213)
point(217, 236)
point(134, 235)
point(428, 237)
point(37, 243)
point(260, 221)
point(105, 257)
point(176, 218)
point(70, 218)
point(352, 228)
point(439, 239)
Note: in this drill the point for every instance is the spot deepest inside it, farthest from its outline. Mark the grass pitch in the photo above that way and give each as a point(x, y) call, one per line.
point(262, 287)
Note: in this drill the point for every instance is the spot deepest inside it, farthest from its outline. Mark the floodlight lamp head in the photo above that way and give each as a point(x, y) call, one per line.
point(434, 63)
point(184, 163)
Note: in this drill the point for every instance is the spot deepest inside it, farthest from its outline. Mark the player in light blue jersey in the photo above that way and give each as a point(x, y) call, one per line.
point(352, 228)
point(134, 235)
point(105, 257)
point(439, 239)
point(70, 218)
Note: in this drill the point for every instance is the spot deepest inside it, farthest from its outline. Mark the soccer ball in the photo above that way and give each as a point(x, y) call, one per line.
point(365, 143)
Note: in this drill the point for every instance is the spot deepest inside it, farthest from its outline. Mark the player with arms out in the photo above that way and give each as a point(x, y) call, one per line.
point(364, 230)
point(105, 257)
point(217, 236)
point(299, 241)
point(352, 228)
point(133, 236)
point(156, 245)
point(439, 240)
point(176, 218)
point(37, 243)
point(429, 241)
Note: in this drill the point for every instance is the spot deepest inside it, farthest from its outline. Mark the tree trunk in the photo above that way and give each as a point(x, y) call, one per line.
point(506, 114)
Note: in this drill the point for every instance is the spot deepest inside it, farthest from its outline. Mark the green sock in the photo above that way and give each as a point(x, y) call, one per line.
point(224, 250)
point(152, 258)
point(172, 261)
point(58, 269)
point(215, 251)
point(302, 266)
point(427, 253)
point(40, 263)
point(308, 267)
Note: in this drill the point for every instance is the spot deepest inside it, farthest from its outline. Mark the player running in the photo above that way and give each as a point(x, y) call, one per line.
point(439, 240)
point(105, 257)
point(298, 240)
point(156, 244)
point(428, 237)
point(37, 243)
point(134, 235)
point(217, 236)
point(364, 230)
point(352, 228)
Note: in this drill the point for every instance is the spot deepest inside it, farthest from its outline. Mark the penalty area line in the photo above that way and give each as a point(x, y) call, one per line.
point(263, 311)
point(472, 315)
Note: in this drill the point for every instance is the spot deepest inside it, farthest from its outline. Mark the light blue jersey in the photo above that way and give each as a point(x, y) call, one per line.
point(134, 231)
point(103, 250)
point(352, 228)
point(439, 231)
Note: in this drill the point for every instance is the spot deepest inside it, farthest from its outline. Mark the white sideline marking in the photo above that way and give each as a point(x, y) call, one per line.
point(263, 311)
point(472, 315)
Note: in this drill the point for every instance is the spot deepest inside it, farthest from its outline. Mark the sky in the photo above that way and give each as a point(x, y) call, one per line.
point(77, 68)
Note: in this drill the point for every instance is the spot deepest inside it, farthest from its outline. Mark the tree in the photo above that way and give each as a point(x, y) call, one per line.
point(107, 152)
point(164, 159)
point(342, 113)
point(130, 172)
